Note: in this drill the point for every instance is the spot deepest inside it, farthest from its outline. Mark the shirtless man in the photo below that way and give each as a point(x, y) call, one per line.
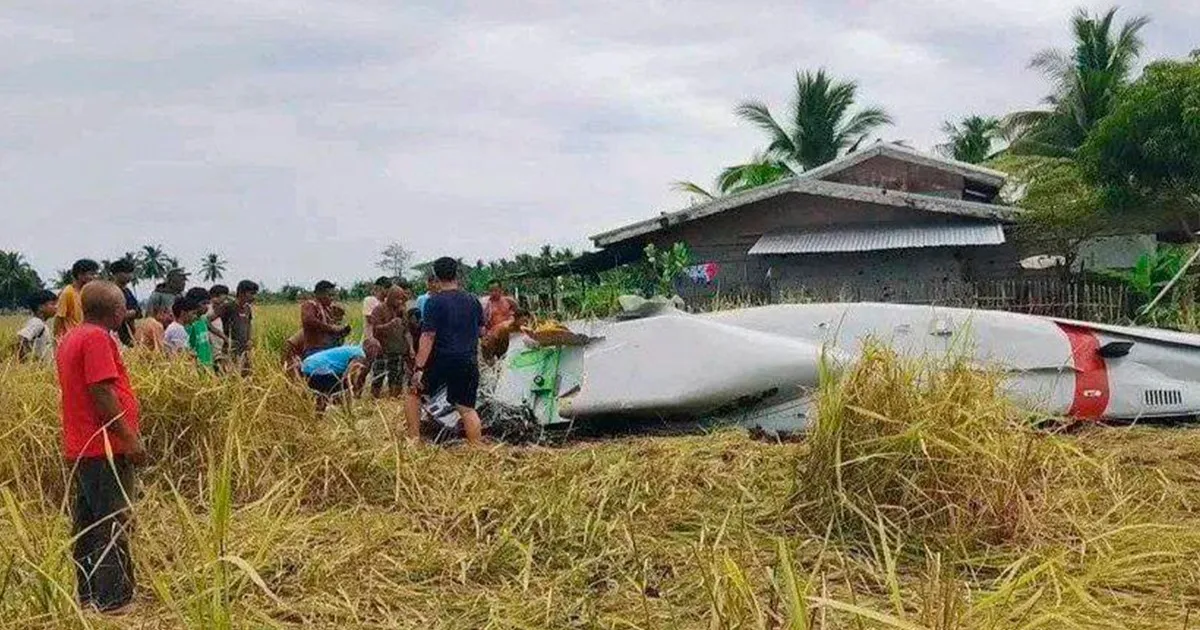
point(498, 308)
point(494, 344)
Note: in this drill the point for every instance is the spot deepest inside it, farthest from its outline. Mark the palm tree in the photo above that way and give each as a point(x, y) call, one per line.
point(12, 264)
point(1086, 82)
point(132, 257)
point(819, 125)
point(212, 267)
point(17, 279)
point(971, 139)
point(694, 189)
point(154, 262)
point(759, 171)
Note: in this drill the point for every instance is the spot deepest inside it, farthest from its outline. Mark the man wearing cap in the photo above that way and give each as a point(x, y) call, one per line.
point(163, 297)
point(320, 320)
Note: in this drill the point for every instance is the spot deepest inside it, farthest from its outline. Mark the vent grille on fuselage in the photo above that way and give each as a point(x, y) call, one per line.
point(1163, 397)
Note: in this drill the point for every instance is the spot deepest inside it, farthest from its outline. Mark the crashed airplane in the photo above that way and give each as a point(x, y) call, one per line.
point(759, 366)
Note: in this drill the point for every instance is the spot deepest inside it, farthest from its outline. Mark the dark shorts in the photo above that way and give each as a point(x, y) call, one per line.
point(390, 367)
point(460, 378)
point(325, 384)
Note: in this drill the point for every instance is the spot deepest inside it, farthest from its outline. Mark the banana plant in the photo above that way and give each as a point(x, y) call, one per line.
point(1152, 272)
point(666, 265)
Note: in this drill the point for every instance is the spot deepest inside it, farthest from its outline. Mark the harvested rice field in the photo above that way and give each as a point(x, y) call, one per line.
point(921, 499)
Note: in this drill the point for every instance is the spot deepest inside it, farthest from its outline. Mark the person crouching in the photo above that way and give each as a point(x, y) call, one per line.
point(334, 371)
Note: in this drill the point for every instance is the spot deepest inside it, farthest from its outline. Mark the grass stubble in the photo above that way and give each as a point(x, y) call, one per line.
point(921, 499)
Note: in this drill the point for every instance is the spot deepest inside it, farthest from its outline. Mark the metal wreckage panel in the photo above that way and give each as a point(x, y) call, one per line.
point(758, 366)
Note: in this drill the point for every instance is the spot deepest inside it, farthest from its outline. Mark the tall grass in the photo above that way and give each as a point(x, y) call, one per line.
point(9, 325)
point(932, 448)
point(922, 500)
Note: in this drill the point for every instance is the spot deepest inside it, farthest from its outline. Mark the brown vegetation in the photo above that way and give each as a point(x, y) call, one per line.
point(922, 500)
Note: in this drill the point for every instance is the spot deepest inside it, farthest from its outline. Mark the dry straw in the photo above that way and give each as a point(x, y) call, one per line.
point(922, 500)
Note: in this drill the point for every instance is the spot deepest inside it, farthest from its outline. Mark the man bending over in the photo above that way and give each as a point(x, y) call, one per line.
point(334, 371)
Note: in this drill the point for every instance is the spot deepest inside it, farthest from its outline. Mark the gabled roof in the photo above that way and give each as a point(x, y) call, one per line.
point(973, 172)
point(810, 186)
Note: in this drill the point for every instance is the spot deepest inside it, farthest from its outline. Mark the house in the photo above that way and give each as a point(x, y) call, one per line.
point(883, 223)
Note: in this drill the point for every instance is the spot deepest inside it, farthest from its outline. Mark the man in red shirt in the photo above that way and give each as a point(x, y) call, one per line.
point(102, 442)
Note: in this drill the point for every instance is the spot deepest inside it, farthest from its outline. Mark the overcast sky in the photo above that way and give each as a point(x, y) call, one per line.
point(298, 137)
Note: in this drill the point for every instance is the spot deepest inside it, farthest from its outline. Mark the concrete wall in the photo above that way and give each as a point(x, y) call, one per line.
point(886, 172)
point(725, 239)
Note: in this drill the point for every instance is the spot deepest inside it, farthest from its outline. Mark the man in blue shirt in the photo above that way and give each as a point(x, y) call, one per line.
point(330, 372)
point(447, 355)
point(431, 287)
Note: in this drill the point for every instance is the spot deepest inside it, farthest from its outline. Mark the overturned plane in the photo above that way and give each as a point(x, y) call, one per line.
point(759, 366)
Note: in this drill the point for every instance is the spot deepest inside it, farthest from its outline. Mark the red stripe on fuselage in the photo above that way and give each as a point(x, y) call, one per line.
point(1091, 374)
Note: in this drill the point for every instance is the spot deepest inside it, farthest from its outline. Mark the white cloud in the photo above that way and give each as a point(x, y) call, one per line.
point(297, 137)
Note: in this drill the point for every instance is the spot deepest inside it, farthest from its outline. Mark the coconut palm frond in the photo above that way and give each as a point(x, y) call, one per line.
point(692, 188)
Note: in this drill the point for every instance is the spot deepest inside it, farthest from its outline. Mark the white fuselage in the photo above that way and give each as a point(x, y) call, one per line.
point(675, 364)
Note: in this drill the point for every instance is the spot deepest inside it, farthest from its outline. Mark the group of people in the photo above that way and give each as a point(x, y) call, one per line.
point(84, 330)
point(211, 325)
point(415, 345)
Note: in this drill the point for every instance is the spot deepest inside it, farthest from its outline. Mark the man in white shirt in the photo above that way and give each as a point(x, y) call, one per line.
point(379, 291)
point(36, 341)
point(176, 339)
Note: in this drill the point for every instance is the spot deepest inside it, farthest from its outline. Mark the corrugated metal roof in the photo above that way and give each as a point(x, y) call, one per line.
point(818, 188)
point(901, 152)
point(866, 239)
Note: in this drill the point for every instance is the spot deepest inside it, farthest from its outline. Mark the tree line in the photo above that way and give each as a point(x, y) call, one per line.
point(18, 278)
point(398, 262)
